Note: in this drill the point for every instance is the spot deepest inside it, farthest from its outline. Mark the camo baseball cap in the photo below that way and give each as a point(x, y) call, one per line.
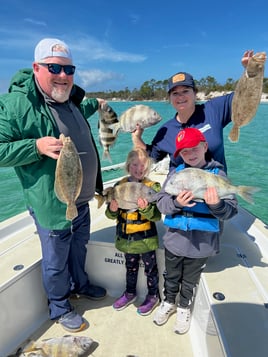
point(180, 79)
point(188, 138)
point(51, 47)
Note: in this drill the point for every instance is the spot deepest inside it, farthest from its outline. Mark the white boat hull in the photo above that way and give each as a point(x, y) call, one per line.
point(235, 326)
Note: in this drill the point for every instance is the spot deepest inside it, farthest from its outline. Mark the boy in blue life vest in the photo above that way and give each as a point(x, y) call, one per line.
point(136, 235)
point(187, 248)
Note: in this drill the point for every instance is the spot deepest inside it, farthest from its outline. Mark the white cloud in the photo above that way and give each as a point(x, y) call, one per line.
point(35, 22)
point(95, 77)
point(90, 48)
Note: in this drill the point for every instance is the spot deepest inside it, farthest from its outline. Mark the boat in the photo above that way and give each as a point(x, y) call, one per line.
point(230, 316)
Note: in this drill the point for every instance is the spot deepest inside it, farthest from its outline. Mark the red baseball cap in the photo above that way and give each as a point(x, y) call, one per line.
point(188, 138)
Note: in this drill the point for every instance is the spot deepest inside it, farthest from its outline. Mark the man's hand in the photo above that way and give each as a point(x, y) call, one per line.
point(49, 146)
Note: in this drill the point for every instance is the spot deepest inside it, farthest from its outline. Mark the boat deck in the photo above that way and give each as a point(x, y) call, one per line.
point(235, 326)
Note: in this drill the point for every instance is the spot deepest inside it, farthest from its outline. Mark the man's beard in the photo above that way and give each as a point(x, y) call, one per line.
point(59, 95)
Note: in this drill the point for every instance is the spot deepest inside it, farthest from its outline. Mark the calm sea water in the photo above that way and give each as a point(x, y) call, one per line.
point(247, 160)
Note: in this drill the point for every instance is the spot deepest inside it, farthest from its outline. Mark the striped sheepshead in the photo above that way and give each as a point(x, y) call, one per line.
point(139, 114)
point(197, 181)
point(247, 94)
point(68, 176)
point(66, 346)
point(126, 195)
point(107, 136)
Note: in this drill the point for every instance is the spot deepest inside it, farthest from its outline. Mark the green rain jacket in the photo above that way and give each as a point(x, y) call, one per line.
point(25, 117)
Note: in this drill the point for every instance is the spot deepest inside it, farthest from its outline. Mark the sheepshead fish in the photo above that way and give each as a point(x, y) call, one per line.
point(198, 180)
point(139, 114)
point(247, 94)
point(107, 136)
point(68, 176)
point(66, 346)
point(126, 195)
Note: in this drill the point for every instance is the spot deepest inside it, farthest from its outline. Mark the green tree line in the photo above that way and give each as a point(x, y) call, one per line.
point(157, 90)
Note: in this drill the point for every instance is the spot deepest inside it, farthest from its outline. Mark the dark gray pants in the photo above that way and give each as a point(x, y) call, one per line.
point(181, 276)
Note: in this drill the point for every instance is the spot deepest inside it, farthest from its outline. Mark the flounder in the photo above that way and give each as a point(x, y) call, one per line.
point(247, 94)
point(68, 176)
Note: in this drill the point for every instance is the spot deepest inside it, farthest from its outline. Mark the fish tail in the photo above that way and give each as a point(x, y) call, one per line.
point(106, 155)
point(71, 212)
point(246, 192)
point(100, 200)
point(234, 134)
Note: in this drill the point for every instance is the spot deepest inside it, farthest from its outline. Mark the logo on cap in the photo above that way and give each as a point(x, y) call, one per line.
point(180, 136)
point(180, 77)
point(59, 48)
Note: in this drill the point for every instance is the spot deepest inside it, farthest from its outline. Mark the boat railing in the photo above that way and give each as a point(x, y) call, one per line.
point(113, 167)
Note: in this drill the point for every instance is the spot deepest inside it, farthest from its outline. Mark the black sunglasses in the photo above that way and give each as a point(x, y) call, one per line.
point(56, 68)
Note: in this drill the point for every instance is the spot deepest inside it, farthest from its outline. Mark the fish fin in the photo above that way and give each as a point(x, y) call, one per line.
point(71, 211)
point(234, 134)
point(246, 192)
point(30, 347)
point(115, 127)
point(100, 200)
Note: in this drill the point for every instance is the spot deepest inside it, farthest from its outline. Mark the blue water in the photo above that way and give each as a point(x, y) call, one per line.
point(247, 160)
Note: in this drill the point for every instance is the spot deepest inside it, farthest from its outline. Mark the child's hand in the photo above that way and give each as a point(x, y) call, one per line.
point(142, 203)
point(211, 196)
point(113, 206)
point(184, 198)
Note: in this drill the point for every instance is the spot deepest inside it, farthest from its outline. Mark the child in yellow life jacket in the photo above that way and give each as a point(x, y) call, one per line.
point(136, 235)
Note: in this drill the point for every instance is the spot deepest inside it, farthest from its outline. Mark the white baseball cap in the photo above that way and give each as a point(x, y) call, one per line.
point(51, 47)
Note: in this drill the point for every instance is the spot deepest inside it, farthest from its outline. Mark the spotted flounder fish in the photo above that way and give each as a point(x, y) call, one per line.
point(68, 176)
point(140, 114)
point(107, 136)
point(66, 346)
point(126, 195)
point(247, 94)
point(198, 180)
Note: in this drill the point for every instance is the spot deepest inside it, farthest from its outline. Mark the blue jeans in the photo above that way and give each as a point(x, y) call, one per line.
point(63, 264)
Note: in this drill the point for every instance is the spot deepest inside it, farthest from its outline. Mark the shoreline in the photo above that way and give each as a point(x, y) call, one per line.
point(201, 96)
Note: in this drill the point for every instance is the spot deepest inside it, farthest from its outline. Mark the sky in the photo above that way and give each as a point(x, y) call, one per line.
point(121, 44)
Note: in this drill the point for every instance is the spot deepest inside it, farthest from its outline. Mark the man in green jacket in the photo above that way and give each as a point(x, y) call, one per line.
point(42, 103)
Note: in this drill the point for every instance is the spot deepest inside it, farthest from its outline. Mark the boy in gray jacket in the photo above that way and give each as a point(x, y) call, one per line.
point(193, 232)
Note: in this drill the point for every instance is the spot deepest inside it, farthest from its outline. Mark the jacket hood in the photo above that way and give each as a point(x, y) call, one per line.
point(21, 80)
